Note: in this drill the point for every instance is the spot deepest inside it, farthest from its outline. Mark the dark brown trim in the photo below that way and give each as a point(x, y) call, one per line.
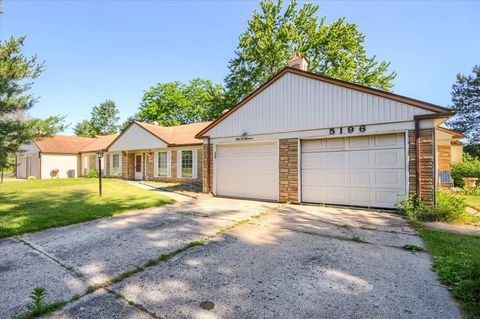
point(434, 116)
point(357, 87)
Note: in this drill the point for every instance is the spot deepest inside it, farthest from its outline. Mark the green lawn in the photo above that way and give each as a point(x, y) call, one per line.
point(40, 204)
point(457, 262)
point(473, 201)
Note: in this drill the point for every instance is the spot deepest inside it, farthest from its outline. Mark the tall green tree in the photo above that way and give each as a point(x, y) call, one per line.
point(176, 103)
point(17, 73)
point(466, 103)
point(103, 121)
point(275, 33)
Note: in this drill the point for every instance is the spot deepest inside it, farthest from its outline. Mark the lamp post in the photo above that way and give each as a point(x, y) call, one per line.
point(100, 156)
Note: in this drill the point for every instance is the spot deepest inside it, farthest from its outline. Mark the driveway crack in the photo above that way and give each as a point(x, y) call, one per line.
point(69, 268)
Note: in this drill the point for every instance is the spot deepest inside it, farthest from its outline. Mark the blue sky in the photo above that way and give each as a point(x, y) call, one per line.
point(97, 50)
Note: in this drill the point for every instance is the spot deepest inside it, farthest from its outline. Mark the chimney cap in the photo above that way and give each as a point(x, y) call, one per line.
point(155, 123)
point(225, 111)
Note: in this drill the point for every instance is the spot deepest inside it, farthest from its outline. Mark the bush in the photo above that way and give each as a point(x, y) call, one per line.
point(468, 167)
point(92, 174)
point(449, 208)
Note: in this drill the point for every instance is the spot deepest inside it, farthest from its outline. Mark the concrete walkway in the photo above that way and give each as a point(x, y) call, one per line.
point(259, 260)
point(454, 228)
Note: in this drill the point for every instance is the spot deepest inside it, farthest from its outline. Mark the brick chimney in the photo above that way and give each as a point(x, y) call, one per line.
point(298, 62)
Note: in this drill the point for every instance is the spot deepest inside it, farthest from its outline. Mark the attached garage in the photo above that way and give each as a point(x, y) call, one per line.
point(307, 138)
point(247, 170)
point(356, 171)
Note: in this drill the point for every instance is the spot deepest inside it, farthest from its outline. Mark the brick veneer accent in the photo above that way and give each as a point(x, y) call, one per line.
point(427, 171)
point(207, 187)
point(173, 166)
point(107, 164)
point(288, 187)
point(128, 166)
point(444, 158)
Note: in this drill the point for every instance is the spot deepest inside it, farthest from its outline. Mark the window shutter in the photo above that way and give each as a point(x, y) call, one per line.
point(179, 164)
point(169, 164)
point(110, 168)
point(194, 164)
point(120, 171)
point(155, 164)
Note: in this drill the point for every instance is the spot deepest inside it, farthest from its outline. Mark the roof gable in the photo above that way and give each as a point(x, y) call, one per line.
point(309, 79)
point(135, 137)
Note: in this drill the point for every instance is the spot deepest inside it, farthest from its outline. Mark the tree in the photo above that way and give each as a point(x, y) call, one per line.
point(82, 129)
point(126, 123)
point(16, 75)
point(103, 121)
point(466, 104)
point(274, 35)
point(176, 103)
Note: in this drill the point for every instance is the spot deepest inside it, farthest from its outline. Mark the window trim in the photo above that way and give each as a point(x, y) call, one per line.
point(180, 163)
point(155, 163)
point(119, 164)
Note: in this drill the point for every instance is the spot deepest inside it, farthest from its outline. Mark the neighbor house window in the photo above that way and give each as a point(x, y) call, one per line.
point(116, 164)
point(162, 164)
point(187, 164)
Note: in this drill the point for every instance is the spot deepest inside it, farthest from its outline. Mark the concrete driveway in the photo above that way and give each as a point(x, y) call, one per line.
point(287, 261)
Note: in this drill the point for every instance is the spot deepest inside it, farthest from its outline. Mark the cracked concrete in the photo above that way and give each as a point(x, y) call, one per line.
point(296, 261)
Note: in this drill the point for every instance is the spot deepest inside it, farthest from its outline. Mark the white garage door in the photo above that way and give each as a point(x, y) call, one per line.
point(247, 170)
point(359, 171)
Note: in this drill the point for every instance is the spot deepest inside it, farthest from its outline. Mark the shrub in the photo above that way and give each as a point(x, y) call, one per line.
point(468, 167)
point(449, 208)
point(31, 178)
point(92, 174)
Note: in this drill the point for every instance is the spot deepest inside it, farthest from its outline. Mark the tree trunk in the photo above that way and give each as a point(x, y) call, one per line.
point(1, 179)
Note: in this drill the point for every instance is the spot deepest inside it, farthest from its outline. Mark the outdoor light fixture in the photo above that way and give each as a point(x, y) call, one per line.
point(100, 156)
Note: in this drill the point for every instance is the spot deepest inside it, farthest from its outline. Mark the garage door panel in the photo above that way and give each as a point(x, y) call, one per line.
point(249, 170)
point(369, 171)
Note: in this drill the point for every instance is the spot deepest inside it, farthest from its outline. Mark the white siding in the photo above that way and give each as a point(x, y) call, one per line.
point(136, 138)
point(63, 163)
point(296, 103)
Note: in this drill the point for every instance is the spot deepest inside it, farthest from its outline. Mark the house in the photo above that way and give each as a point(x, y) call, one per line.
point(306, 138)
point(59, 152)
point(300, 138)
point(151, 152)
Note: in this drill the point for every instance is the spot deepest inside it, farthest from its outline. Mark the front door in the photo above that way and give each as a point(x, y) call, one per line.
point(138, 167)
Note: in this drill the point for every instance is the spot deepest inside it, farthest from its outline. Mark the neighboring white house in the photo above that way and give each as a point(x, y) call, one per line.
point(58, 156)
point(302, 137)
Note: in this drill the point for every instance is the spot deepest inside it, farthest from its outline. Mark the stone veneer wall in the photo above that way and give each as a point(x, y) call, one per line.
point(427, 165)
point(173, 166)
point(288, 170)
point(128, 166)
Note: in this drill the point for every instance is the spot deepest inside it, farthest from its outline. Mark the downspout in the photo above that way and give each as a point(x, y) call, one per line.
point(40, 165)
point(417, 156)
point(208, 166)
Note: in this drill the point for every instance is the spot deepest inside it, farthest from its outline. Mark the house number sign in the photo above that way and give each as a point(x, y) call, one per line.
point(347, 130)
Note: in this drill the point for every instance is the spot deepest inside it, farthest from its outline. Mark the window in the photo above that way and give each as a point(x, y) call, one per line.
point(187, 164)
point(116, 164)
point(162, 164)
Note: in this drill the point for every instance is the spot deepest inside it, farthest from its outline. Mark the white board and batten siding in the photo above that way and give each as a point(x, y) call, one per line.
point(248, 170)
point(298, 103)
point(359, 171)
point(136, 138)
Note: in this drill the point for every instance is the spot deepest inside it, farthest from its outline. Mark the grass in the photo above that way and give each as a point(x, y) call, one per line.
point(359, 240)
point(412, 247)
point(457, 262)
point(473, 201)
point(41, 204)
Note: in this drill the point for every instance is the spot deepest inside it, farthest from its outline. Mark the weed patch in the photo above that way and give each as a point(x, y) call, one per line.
point(359, 240)
point(37, 306)
point(412, 247)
